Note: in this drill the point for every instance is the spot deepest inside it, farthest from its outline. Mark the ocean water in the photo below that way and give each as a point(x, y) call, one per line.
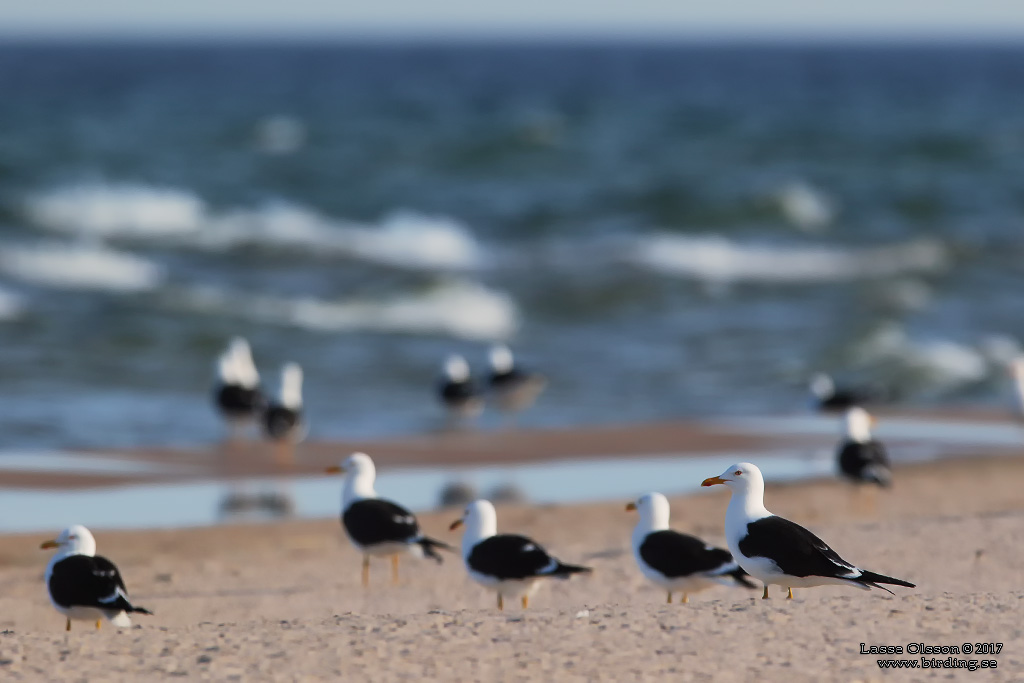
point(664, 230)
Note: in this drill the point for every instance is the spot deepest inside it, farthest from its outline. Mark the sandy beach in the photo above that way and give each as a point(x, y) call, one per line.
point(283, 602)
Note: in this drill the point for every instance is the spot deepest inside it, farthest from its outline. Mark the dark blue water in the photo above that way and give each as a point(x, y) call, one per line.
point(664, 230)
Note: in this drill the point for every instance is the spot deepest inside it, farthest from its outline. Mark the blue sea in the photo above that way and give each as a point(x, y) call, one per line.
point(665, 230)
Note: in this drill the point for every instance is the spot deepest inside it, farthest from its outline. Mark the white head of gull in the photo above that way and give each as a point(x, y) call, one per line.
point(244, 368)
point(501, 359)
point(857, 424)
point(456, 369)
point(291, 386)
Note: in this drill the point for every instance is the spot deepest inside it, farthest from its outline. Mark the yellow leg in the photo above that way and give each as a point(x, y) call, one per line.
point(765, 596)
point(98, 624)
point(366, 571)
point(790, 596)
point(686, 598)
point(526, 601)
point(669, 598)
point(501, 605)
point(394, 569)
point(68, 627)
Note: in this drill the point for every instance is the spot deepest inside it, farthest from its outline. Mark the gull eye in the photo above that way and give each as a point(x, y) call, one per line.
point(72, 537)
point(738, 472)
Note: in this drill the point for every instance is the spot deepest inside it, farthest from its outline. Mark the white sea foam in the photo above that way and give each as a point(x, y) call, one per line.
point(66, 266)
point(807, 208)
point(402, 239)
point(459, 309)
point(941, 362)
point(141, 213)
point(117, 210)
point(717, 259)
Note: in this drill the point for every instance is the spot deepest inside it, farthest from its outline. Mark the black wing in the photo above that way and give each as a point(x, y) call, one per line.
point(457, 392)
point(83, 581)
point(237, 401)
point(279, 422)
point(510, 556)
point(865, 461)
point(675, 554)
point(375, 520)
point(795, 550)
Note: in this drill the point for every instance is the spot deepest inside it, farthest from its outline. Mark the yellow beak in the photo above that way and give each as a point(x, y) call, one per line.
point(630, 507)
point(335, 469)
point(711, 481)
point(455, 525)
point(46, 545)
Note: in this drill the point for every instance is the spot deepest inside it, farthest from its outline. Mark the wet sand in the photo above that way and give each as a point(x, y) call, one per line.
point(283, 602)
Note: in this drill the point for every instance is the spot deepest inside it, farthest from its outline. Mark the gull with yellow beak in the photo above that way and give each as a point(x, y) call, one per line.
point(775, 550)
point(378, 527)
point(509, 564)
point(83, 585)
point(678, 562)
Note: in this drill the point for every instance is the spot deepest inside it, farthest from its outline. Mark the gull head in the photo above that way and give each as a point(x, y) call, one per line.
point(355, 465)
point(456, 369)
point(857, 424)
point(653, 508)
point(477, 515)
point(822, 386)
point(500, 357)
point(75, 539)
point(741, 477)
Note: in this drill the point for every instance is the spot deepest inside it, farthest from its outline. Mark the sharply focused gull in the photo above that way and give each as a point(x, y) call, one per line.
point(776, 550)
point(83, 585)
point(678, 562)
point(509, 564)
point(378, 527)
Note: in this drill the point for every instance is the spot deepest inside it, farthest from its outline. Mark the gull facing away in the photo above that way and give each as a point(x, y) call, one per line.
point(237, 392)
point(775, 550)
point(83, 585)
point(283, 421)
point(861, 458)
point(509, 564)
point(678, 562)
point(378, 527)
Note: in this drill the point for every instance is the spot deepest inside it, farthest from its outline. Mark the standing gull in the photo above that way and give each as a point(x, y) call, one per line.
point(776, 550)
point(509, 564)
point(237, 393)
point(513, 388)
point(283, 422)
point(83, 585)
point(678, 562)
point(861, 458)
point(457, 392)
point(378, 527)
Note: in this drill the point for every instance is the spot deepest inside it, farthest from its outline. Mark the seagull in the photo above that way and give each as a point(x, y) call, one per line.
point(514, 389)
point(457, 391)
point(829, 398)
point(861, 458)
point(675, 561)
point(283, 421)
point(1017, 374)
point(237, 393)
point(507, 563)
point(776, 550)
point(83, 585)
point(376, 526)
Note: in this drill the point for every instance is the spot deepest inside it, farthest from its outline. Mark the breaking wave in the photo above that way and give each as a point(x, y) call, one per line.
point(66, 266)
point(459, 309)
point(138, 212)
point(717, 259)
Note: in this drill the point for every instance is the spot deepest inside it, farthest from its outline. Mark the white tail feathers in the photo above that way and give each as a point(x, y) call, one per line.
point(121, 620)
